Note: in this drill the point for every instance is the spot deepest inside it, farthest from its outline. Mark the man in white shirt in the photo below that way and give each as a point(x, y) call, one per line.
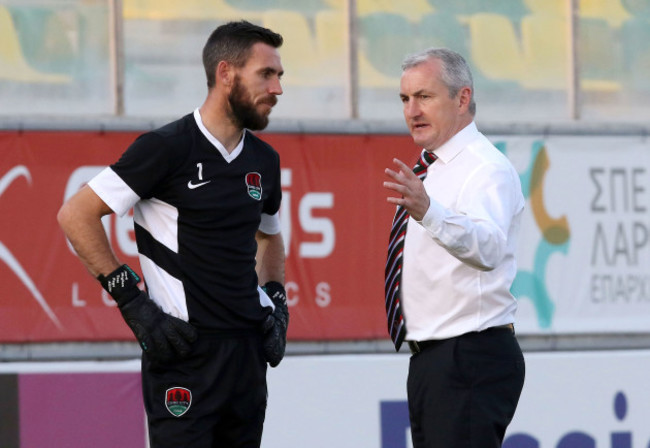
point(452, 303)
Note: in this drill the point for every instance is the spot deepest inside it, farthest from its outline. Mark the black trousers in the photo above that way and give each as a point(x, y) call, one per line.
point(463, 391)
point(215, 398)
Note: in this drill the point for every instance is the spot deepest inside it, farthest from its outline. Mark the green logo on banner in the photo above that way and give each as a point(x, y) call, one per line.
point(555, 236)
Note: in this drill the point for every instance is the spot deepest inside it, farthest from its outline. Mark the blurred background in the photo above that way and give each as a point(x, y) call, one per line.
point(562, 88)
point(541, 61)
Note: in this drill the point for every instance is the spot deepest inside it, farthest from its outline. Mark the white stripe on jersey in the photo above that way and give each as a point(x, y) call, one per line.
point(165, 290)
point(160, 219)
point(155, 216)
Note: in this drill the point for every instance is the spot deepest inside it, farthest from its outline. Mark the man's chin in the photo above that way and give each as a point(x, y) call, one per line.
point(419, 140)
point(259, 124)
point(265, 117)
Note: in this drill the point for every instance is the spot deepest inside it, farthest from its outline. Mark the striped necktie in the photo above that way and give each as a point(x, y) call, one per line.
point(393, 272)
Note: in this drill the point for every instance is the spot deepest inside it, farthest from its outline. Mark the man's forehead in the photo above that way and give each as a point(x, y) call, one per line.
point(419, 77)
point(263, 54)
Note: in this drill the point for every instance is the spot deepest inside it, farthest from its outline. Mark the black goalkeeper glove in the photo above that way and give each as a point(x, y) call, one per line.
point(162, 337)
point(275, 325)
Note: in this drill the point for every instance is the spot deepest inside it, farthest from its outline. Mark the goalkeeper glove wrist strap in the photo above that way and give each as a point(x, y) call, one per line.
point(121, 284)
point(273, 284)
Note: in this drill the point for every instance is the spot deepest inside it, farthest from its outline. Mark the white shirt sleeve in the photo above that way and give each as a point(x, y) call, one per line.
point(113, 191)
point(476, 230)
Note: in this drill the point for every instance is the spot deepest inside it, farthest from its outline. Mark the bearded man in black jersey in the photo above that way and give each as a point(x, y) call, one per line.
point(205, 194)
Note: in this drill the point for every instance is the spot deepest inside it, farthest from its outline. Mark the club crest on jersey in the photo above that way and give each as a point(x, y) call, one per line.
point(254, 185)
point(178, 400)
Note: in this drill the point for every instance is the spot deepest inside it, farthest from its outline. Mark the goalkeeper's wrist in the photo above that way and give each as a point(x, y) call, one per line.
point(273, 285)
point(121, 284)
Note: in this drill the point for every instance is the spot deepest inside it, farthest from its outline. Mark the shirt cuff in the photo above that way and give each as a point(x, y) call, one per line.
point(433, 218)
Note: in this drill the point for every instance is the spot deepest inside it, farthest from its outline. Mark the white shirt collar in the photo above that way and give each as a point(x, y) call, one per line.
point(229, 157)
point(454, 145)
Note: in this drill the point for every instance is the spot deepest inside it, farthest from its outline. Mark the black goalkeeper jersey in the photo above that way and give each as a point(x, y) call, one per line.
point(196, 212)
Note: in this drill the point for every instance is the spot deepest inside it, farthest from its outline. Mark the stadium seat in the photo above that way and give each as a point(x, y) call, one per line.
point(385, 39)
point(332, 34)
point(599, 55)
point(442, 29)
point(186, 10)
point(299, 47)
point(552, 7)
point(611, 11)
point(640, 9)
point(302, 6)
point(44, 39)
point(388, 38)
point(332, 44)
point(512, 9)
point(13, 65)
point(154, 9)
point(339, 5)
point(495, 48)
point(410, 9)
point(308, 7)
point(259, 5)
point(635, 35)
point(370, 77)
point(301, 56)
point(545, 46)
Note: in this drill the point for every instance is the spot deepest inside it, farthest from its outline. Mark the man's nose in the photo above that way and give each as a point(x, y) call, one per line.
point(276, 87)
point(411, 109)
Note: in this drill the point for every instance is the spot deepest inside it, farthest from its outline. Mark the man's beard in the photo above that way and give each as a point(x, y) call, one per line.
point(243, 110)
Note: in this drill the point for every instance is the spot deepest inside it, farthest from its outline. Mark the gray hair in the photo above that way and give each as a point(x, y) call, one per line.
point(455, 71)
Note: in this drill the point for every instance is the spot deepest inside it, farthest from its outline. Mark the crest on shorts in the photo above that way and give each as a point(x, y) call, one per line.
point(178, 400)
point(254, 185)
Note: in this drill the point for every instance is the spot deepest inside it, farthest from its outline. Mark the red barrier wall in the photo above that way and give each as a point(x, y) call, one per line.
point(334, 215)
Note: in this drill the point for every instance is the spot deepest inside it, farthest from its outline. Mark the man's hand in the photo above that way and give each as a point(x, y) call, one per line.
point(414, 197)
point(162, 337)
point(276, 324)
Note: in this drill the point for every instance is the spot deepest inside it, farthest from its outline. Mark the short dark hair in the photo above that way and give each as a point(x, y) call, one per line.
point(232, 42)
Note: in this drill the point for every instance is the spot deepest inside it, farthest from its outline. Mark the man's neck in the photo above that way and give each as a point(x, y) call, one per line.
point(220, 125)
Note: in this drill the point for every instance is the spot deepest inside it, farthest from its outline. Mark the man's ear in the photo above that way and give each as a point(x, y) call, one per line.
point(464, 98)
point(225, 73)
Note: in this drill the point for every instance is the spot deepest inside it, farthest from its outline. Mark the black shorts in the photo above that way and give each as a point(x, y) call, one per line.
point(215, 398)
